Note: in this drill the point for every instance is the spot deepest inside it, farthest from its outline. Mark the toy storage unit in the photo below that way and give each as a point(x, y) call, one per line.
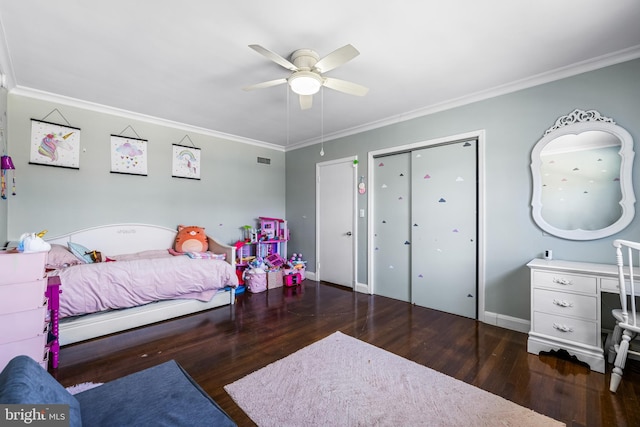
point(24, 317)
point(270, 239)
point(256, 283)
point(274, 279)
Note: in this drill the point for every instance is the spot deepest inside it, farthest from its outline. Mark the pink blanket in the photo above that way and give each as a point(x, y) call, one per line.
point(90, 288)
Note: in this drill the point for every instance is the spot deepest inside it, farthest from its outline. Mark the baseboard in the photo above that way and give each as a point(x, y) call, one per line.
point(501, 320)
point(362, 288)
point(507, 322)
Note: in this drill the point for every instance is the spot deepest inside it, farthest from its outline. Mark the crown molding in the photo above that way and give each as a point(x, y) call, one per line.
point(99, 108)
point(592, 64)
point(536, 80)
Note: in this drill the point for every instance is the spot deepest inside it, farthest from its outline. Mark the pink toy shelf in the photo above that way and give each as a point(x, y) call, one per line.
point(267, 242)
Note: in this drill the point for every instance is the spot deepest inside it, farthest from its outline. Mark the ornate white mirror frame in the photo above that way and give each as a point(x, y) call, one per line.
point(576, 123)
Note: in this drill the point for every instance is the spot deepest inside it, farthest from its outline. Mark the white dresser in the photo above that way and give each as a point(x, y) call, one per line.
point(23, 307)
point(566, 308)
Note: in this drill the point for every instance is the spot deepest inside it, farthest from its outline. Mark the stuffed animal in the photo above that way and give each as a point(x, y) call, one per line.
point(191, 239)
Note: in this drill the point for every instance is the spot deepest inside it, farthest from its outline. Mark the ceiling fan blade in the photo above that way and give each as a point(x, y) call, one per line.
point(265, 84)
point(337, 58)
point(274, 57)
point(306, 101)
point(345, 86)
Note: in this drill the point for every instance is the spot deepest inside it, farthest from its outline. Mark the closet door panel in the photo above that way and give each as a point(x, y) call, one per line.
point(391, 227)
point(443, 228)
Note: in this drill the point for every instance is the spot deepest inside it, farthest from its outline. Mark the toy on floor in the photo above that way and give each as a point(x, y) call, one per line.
point(295, 271)
point(292, 279)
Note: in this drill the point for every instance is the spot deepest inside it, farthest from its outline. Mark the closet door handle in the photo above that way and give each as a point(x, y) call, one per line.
point(349, 233)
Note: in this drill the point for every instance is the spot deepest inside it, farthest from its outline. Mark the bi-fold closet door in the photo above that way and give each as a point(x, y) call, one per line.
point(425, 230)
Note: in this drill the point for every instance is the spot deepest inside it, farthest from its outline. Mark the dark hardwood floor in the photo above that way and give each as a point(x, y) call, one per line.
point(225, 344)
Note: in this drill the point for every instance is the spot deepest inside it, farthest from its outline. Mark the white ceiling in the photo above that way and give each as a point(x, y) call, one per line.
point(187, 61)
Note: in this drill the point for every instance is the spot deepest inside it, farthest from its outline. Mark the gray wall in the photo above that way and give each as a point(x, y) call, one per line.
point(233, 191)
point(513, 124)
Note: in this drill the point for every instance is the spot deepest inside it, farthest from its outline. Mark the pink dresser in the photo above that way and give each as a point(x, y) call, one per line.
point(24, 316)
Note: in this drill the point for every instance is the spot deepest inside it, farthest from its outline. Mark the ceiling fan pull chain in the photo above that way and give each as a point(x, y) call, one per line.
point(321, 122)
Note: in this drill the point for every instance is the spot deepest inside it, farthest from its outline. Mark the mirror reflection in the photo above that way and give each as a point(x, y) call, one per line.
point(581, 181)
point(582, 177)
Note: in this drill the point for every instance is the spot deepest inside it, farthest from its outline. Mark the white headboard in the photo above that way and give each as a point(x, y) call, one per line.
point(116, 239)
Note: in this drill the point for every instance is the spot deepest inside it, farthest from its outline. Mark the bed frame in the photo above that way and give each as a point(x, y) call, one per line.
point(117, 239)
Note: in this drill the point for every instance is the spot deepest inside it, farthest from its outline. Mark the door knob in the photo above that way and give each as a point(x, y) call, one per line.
point(348, 233)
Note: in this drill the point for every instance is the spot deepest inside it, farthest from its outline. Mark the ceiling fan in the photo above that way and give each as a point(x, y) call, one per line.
point(307, 69)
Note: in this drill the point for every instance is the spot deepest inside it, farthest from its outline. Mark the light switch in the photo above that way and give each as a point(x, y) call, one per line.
point(361, 213)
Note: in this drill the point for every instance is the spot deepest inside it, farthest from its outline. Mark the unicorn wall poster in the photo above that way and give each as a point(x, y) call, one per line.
point(186, 162)
point(54, 145)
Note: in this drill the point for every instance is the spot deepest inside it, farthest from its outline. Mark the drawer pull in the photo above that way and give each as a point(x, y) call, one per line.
point(562, 303)
point(564, 282)
point(562, 328)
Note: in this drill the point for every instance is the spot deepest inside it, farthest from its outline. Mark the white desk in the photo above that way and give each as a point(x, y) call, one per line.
point(566, 308)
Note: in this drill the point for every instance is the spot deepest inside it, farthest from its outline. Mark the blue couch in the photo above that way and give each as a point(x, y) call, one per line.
point(164, 395)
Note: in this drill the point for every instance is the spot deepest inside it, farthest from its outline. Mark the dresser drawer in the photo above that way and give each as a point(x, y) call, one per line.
point(610, 284)
point(22, 325)
point(32, 347)
point(566, 328)
point(22, 296)
point(20, 267)
point(566, 304)
point(565, 282)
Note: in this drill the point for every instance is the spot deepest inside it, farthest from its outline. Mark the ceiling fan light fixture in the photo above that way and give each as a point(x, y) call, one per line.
point(305, 82)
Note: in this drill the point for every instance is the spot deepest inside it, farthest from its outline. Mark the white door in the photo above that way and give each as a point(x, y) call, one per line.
point(336, 187)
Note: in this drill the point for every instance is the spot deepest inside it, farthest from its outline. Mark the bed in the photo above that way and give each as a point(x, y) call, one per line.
point(148, 240)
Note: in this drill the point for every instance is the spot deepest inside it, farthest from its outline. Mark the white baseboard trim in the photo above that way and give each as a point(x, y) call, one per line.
point(362, 288)
point(507, 322)
point(501, 320)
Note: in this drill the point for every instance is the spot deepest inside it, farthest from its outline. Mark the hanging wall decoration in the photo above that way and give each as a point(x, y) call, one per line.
point(186, 160)
point(54, 144)
point(128, 155)
point(6, 164)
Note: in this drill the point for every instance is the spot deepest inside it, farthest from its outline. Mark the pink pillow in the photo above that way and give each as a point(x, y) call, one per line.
point(60, 257)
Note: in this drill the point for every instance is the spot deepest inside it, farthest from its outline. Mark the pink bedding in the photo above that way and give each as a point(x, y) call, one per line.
point(90, 288)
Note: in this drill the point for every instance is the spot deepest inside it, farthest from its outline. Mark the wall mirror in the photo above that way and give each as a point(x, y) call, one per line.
point(582, 177)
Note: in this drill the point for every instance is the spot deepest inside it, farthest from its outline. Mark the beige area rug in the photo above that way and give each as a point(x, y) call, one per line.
point(342, 381)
